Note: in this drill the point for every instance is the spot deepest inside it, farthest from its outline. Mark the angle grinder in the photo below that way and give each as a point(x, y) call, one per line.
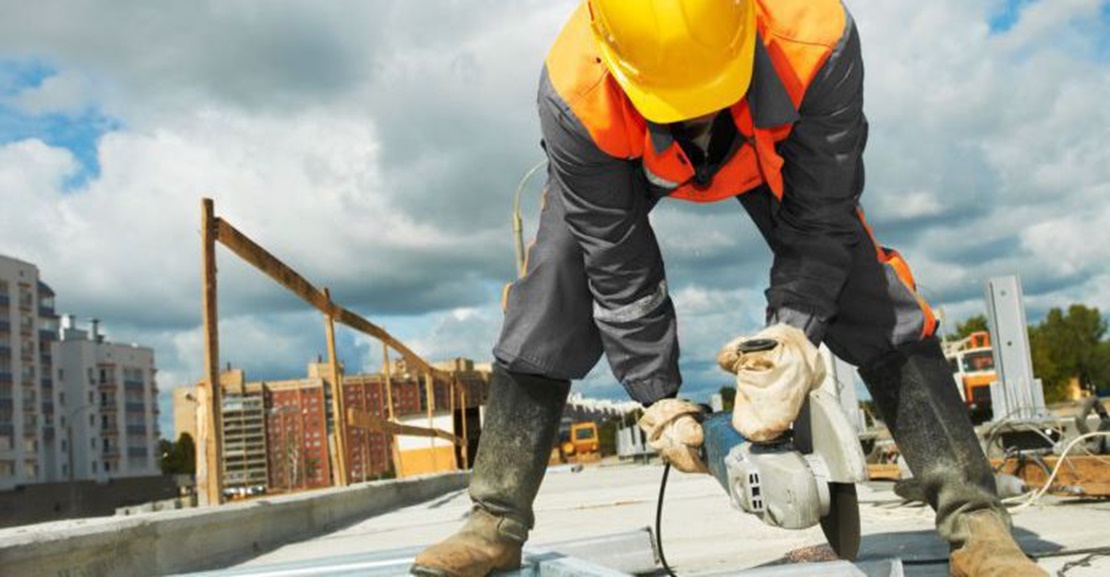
point(805, 477)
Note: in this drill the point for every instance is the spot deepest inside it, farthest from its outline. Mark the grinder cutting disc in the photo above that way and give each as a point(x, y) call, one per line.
point(841, 525)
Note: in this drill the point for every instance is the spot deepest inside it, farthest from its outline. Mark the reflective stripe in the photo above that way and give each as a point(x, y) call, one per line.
point(634, 310)
point(659, 180)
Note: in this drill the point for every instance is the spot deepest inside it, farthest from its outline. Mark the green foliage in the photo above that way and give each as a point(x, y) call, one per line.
point(970, 325)
point(728, 398)
point(1071, 345)
point(165, 450)
point(178, 458)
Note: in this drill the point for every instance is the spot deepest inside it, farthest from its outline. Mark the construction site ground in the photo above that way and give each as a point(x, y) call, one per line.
point(703, 535)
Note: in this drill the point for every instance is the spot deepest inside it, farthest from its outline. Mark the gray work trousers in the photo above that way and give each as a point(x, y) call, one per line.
point(550, 329)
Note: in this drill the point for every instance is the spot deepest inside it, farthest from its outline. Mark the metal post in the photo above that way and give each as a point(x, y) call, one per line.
point(209, 481)
point(1016, 394)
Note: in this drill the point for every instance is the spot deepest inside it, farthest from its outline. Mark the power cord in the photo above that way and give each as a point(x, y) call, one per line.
point(659, 519)
point(1032, 497)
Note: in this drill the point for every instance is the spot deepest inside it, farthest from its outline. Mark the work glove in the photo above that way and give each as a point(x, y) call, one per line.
point(672, 429)
point(775, 370)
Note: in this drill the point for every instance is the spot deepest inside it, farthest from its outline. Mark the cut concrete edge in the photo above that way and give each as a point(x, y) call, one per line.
point(197, 539)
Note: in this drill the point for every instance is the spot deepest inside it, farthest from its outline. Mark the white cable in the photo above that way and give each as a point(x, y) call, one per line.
point(1033, 496)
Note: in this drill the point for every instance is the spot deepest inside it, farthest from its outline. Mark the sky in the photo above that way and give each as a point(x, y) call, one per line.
point(375, 147)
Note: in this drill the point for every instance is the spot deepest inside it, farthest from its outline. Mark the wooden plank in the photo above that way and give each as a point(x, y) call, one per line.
point(339, 428)
point(376, 424)
point(387, 372)
point(465, 439)
point(209, 468)
point(884, 471)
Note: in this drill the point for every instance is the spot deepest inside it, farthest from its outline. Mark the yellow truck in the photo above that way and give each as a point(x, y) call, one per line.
point(576, 443)
point(972, 361)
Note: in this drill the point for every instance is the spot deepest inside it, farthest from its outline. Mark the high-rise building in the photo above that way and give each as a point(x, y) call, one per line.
point(29, 451)
point(297, 425)
point(111, 404)
point(243, 416)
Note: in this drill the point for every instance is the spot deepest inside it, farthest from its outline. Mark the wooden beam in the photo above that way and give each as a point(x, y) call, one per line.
point(884, 471)
point(376, 424)
point(398, 463)
point(430, 404)
point(339, 428)
point(254, 254)
point(209, 470)
point(218, 230)
point(465, 439)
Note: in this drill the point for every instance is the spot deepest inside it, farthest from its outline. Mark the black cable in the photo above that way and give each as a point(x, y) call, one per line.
point(659, 518)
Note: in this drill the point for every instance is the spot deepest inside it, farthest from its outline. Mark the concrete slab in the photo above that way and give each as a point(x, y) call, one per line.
point(194, 539)
point(703, 535)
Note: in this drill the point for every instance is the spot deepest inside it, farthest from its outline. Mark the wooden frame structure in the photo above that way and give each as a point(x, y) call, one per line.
point(209, 478)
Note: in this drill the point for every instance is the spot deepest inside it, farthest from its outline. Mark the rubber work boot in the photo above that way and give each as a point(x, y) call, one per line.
point(990, 551)
point(522, 419)
point(913, 390)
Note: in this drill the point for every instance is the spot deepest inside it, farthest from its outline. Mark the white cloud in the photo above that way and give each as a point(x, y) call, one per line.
point(375, 149)
point(66, 93)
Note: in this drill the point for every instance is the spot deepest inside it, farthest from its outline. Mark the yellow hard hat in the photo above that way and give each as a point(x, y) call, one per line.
point(677, 59)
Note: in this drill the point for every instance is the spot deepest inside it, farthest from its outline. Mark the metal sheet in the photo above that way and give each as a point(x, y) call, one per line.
point(873, 568)
point(617, 555)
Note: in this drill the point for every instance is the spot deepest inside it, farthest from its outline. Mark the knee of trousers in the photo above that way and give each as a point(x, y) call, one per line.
point(549, 329)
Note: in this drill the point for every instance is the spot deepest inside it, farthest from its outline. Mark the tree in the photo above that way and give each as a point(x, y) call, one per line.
point(186, 451)
point(166, 456)
point(728, 398)
point(1067, 346)
point(970, 325)
point(178, 458)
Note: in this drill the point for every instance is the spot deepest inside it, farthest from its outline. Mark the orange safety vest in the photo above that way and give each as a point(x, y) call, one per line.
point(799, 36)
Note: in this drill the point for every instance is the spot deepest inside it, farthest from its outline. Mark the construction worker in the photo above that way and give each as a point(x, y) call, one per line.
point(709, 100)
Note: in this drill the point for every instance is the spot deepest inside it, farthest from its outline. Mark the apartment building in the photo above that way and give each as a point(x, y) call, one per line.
point(110, 405)
point(29, 451)
point(298, 422)
point(243, 418)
